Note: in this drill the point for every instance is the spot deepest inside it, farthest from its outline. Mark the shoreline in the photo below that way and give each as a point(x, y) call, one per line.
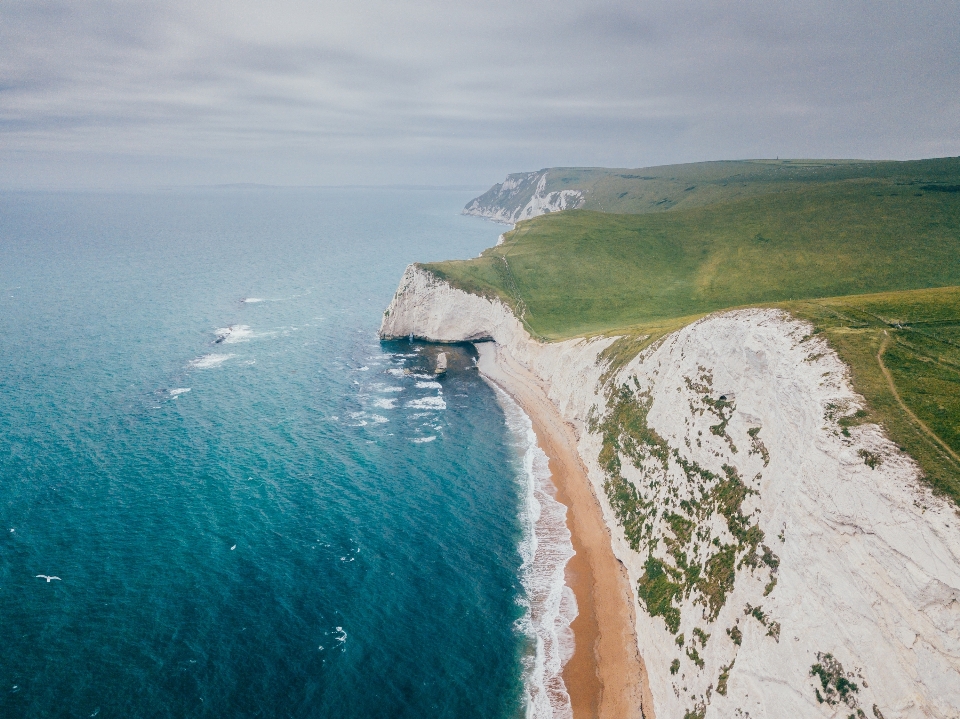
point(551, 604)
point(605, 677)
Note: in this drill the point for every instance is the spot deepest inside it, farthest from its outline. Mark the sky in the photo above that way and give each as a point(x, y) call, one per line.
point(125, 94)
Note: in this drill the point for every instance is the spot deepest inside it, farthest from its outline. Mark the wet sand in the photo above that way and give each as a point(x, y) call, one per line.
point(605, 677)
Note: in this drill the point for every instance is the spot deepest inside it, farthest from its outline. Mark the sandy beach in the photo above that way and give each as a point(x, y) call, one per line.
point(606, 676)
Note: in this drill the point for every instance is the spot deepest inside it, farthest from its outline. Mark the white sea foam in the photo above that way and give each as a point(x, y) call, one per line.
point(428, 385)
point(253, 300)
point(396, 372)
point(546, 548)
point(360, 419)
point(233, 333)
point(209, 361)
point(427, 403)
point(422, 440)
point(385, 403)
point(174, 393)
point(391, 388)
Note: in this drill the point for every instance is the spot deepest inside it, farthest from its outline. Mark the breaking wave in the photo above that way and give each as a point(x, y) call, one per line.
point(546, 548)
point(233, 333)
point(427, 403)
point(209, 361)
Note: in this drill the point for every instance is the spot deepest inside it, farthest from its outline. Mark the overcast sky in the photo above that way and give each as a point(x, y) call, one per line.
point(428, 92)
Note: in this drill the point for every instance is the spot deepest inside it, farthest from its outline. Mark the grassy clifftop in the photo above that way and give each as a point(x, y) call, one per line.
point(903, 349)
point(819, 239)
point(583, 271)
point(668, 187)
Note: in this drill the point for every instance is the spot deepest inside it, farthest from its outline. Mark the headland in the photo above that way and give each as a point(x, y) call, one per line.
point(749, 393)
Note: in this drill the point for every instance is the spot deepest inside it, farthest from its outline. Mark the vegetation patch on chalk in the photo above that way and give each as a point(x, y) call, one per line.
point(685, 560)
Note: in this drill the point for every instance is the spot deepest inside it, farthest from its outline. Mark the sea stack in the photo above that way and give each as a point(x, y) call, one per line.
point(441, 364)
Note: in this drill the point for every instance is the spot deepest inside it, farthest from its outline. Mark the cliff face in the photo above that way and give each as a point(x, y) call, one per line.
point(801, 556)
point(522, 196)
point(786, 561)
point(429, 309)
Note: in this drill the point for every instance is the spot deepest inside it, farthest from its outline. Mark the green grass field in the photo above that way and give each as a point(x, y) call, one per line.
point(815, 238)
point(915, 337)
point(660, 189)
point(580, 272)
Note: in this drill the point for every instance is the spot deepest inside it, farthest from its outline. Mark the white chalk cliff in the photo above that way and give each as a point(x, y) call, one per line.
point(783, 566)
point(522, 196)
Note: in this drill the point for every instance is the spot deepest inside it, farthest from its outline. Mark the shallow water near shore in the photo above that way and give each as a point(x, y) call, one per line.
point(252, 507)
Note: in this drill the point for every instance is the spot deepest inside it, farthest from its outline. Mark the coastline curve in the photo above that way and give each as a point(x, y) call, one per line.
point(605, 676)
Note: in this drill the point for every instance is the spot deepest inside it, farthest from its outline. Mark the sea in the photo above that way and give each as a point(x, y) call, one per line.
point(222, 496)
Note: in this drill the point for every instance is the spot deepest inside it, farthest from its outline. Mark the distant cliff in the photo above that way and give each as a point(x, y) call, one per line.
point(522, 196)
point(701, 184)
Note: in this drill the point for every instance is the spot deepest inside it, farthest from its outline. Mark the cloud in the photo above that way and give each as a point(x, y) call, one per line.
point(430, 92)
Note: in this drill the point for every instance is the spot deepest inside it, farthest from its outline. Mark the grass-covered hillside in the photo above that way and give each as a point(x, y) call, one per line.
point(659, 189)
point(814, 238)
point(583, 271)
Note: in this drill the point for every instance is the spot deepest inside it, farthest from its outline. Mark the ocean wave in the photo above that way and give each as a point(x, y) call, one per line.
point(233, 333)
point(389, 388)
point(422, 440)
point(428, 385)
point(427, 403)
point(174, 393)
point(546, 548)
point(210, 361)
point(254, 300)
point(385, 403)
point(378, 419)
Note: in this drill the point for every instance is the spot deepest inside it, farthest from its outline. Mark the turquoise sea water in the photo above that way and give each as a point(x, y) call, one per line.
point(252, 508)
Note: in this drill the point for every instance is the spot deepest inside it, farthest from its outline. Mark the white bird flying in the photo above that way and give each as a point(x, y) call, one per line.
point(44, 576)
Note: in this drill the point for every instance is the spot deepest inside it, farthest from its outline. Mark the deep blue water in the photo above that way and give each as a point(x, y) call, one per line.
point(284, 539)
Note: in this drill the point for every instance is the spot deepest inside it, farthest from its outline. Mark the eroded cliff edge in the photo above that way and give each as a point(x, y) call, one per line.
point(522, 196)
point(784, 564)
